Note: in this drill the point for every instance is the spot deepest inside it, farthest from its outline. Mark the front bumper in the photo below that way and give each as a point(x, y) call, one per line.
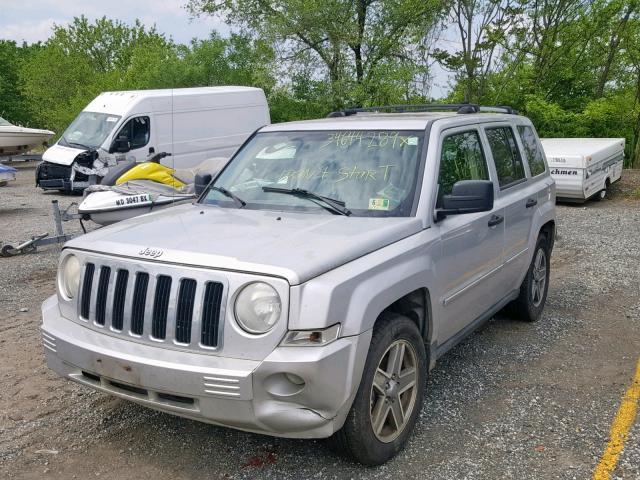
point(248, 395)
point(51, 176)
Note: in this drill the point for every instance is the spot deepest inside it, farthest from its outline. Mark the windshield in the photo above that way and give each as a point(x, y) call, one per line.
point(373, 172)
point(89, 130)
point(4, 122)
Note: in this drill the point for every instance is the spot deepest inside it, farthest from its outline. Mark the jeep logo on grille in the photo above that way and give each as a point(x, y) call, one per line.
point(150, 252)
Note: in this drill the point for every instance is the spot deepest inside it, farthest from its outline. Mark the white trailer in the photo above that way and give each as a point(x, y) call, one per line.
point(193, 124)
point(584, 167)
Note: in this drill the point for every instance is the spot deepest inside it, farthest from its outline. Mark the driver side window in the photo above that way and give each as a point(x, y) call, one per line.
point(137, 130)
point(461, 158)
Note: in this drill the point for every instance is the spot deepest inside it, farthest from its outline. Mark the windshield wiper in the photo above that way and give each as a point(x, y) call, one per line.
point(241, 203)
point(336, 206)
point(75, 143)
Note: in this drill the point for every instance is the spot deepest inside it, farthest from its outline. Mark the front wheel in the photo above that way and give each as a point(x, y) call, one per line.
point(533, 291)
point(386, 407)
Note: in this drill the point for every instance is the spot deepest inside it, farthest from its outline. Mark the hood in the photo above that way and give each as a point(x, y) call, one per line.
point(295, 246)
point(61, 155)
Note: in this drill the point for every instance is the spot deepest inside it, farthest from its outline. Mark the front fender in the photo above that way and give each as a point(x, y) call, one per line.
point(356, 293)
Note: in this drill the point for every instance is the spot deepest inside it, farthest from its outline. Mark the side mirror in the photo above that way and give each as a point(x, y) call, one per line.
point(120, 145)
point(467, 196)
point(201, 182)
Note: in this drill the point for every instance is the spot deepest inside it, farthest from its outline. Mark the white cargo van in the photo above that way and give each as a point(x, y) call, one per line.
point(584, 167)
point(192, 124)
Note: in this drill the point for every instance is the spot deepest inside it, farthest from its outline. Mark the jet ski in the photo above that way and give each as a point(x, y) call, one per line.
point(7, 174)
point(132, 189)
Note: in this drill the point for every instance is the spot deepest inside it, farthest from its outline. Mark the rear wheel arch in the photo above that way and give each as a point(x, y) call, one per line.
point(548, 231)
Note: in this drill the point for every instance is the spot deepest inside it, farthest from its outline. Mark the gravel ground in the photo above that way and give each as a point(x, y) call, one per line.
point(514, 400)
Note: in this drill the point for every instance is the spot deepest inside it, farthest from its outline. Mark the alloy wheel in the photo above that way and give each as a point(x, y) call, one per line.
point(539, 277)
point(394, 391)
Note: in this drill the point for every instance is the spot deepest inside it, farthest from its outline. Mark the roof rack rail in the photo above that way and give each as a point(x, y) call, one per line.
point(461, 108)
point(499, 109)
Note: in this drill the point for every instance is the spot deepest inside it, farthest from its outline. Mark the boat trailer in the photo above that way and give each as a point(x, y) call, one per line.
point(44, 239)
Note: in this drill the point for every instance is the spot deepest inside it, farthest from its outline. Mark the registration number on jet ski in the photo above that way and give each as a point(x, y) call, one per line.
point(132, 199)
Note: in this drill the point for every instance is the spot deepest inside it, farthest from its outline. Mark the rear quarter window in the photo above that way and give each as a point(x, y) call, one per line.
point(506, 155)
point(532, 150)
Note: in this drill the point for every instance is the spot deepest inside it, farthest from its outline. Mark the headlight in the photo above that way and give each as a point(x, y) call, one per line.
point(257, 308)
point(69, 276)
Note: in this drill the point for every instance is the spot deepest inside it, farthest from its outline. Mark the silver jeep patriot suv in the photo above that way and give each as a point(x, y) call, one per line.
point(319, 276)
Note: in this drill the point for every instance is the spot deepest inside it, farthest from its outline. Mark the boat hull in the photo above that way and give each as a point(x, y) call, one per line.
point(15, 140)
point(105, 208)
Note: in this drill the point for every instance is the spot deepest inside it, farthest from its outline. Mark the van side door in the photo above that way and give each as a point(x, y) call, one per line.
point(471, 244)
point(517, 196)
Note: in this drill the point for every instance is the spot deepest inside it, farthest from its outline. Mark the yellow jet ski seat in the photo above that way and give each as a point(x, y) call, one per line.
point(151, 171)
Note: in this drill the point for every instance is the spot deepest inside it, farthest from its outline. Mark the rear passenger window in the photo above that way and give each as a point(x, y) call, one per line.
point(461, 159)
point(534, 154)
point(505, 155)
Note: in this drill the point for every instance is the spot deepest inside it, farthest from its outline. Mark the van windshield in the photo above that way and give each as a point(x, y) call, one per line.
point(89, 130)
point(370, 173)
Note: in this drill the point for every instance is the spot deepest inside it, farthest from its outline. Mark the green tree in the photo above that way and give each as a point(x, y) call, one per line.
point(482, 28)
point(83, 59)
point(356, 42)
point(13, 105)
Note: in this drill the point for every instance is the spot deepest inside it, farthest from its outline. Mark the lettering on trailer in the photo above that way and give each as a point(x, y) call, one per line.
point(561, 171)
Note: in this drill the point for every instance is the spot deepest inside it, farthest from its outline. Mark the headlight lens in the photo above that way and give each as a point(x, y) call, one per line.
point(258, 308)
point(69, 276)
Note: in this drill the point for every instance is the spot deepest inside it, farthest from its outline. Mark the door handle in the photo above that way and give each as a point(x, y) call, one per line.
point(532, 202)
point(495, 220)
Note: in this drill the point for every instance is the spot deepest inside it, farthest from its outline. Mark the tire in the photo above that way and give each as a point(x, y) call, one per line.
point(393, 334)
point(602, 194)
point(530, 303)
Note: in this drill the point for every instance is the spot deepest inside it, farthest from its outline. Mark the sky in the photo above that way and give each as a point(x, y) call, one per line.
point(32, 20)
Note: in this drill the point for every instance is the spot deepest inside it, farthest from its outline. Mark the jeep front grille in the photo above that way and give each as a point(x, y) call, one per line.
point(158, 308)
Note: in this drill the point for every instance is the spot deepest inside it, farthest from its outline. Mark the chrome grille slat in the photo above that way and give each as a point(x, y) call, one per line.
point(128, 302)
point(109, 303)
point(196, 316)
point(94, 294)
point(152, 305)
point(148, 307)
point(172, 307)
